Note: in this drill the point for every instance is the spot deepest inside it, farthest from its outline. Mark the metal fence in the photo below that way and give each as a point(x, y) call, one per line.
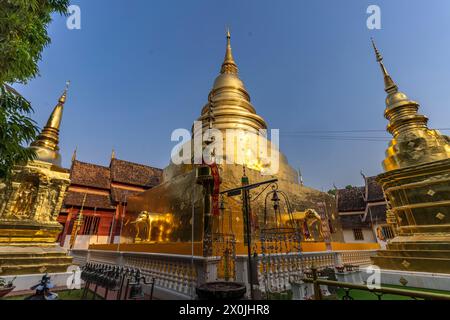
point(379, 292)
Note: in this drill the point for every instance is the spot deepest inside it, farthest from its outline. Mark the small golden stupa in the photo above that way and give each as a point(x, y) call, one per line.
point(416, 184)
point(29, 206)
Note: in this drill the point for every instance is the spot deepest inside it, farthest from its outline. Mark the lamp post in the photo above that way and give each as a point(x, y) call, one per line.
point(244, 191)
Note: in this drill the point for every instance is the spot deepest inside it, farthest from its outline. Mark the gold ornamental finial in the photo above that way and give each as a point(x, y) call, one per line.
point(389, 84)
point(377, 53)
point(46, 144)
point(229, 65)
point(63, 97)
point(55, 118)
point(113, 154)
point(412, 143)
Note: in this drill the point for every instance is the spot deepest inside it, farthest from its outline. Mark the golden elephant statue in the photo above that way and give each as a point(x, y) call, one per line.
point(153, 227)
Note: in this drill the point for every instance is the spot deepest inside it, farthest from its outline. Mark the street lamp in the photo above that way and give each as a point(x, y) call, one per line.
point(244, 191)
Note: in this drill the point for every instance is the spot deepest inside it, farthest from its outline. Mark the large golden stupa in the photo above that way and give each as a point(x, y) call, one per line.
point(29, 206)
point(176, 207)
point(416, 184)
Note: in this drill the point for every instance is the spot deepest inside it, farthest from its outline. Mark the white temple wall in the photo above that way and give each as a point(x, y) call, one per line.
point(368, 235)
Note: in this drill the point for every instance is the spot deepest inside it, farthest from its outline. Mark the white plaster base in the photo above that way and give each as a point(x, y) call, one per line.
point(302, 290)
point(60, 280)
point(351, 277)
point(425, 280)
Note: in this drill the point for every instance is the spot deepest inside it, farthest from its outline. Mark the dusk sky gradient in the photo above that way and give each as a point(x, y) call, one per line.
point(140, 69)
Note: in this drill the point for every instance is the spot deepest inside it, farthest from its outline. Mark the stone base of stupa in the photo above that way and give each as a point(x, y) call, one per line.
point(417, 256)
point(412, 279)
point(33, 259)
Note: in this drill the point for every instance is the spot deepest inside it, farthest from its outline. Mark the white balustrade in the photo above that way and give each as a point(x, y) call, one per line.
point(177, 276)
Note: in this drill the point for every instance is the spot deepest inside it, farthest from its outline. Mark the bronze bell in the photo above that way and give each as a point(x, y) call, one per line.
point(136, 291)
point(276, 200)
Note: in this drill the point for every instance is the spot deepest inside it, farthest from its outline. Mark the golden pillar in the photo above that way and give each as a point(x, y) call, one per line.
point(416, 183)
point(30, 202)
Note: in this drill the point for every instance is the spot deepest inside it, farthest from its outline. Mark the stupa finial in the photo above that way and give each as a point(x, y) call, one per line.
point(63, 97)
point(46, 144)
point(389, 84)
point(229, 65)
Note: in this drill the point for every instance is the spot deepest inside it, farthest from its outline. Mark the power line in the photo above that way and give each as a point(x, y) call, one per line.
point(337, 136)
point(343, 131)
point(342, 139)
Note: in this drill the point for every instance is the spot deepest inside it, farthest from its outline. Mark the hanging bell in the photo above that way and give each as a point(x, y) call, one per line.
point(276, 200)
point(136, 291)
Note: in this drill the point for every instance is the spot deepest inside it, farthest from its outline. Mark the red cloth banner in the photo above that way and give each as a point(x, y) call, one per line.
point(216, 189)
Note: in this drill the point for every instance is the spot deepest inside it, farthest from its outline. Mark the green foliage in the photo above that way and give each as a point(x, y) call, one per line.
point(23, 36)
point(332, 192)
point(16, 128)
point(348, 187)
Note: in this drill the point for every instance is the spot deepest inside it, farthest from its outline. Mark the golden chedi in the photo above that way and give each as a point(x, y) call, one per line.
point(181, 197)
point(30, 202)
point(416, 184)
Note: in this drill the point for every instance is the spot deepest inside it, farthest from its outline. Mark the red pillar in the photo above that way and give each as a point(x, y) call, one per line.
point(66, 227)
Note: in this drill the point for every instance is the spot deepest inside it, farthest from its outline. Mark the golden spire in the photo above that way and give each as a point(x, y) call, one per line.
point(389, 84)
point(229, 100)
point(46, 144)
point(229, 65)
point(113, 154)
point(413, 142)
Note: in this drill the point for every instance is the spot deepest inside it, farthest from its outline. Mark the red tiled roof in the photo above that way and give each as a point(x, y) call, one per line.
point(134, 173)
point(374, 190)
point(377, 214)
point(121, 195)
point(90, 175)
point(98, 201)
point(353, 221)
point(351, 199)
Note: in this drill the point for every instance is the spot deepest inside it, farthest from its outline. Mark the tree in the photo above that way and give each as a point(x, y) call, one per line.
point(23, 36)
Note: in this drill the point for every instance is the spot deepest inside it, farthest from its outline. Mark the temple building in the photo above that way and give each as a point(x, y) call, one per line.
point(362, 212)
point(416, 183)
point(99, 194)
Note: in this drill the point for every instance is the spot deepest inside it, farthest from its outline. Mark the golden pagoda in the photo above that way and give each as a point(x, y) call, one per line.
point(29, 206)
point(176, 208)
point(416, 184)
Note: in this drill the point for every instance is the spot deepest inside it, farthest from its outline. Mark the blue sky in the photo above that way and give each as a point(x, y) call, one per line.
point(140, 69)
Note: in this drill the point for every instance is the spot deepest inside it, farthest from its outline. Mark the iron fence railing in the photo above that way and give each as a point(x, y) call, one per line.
point(379, 292)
